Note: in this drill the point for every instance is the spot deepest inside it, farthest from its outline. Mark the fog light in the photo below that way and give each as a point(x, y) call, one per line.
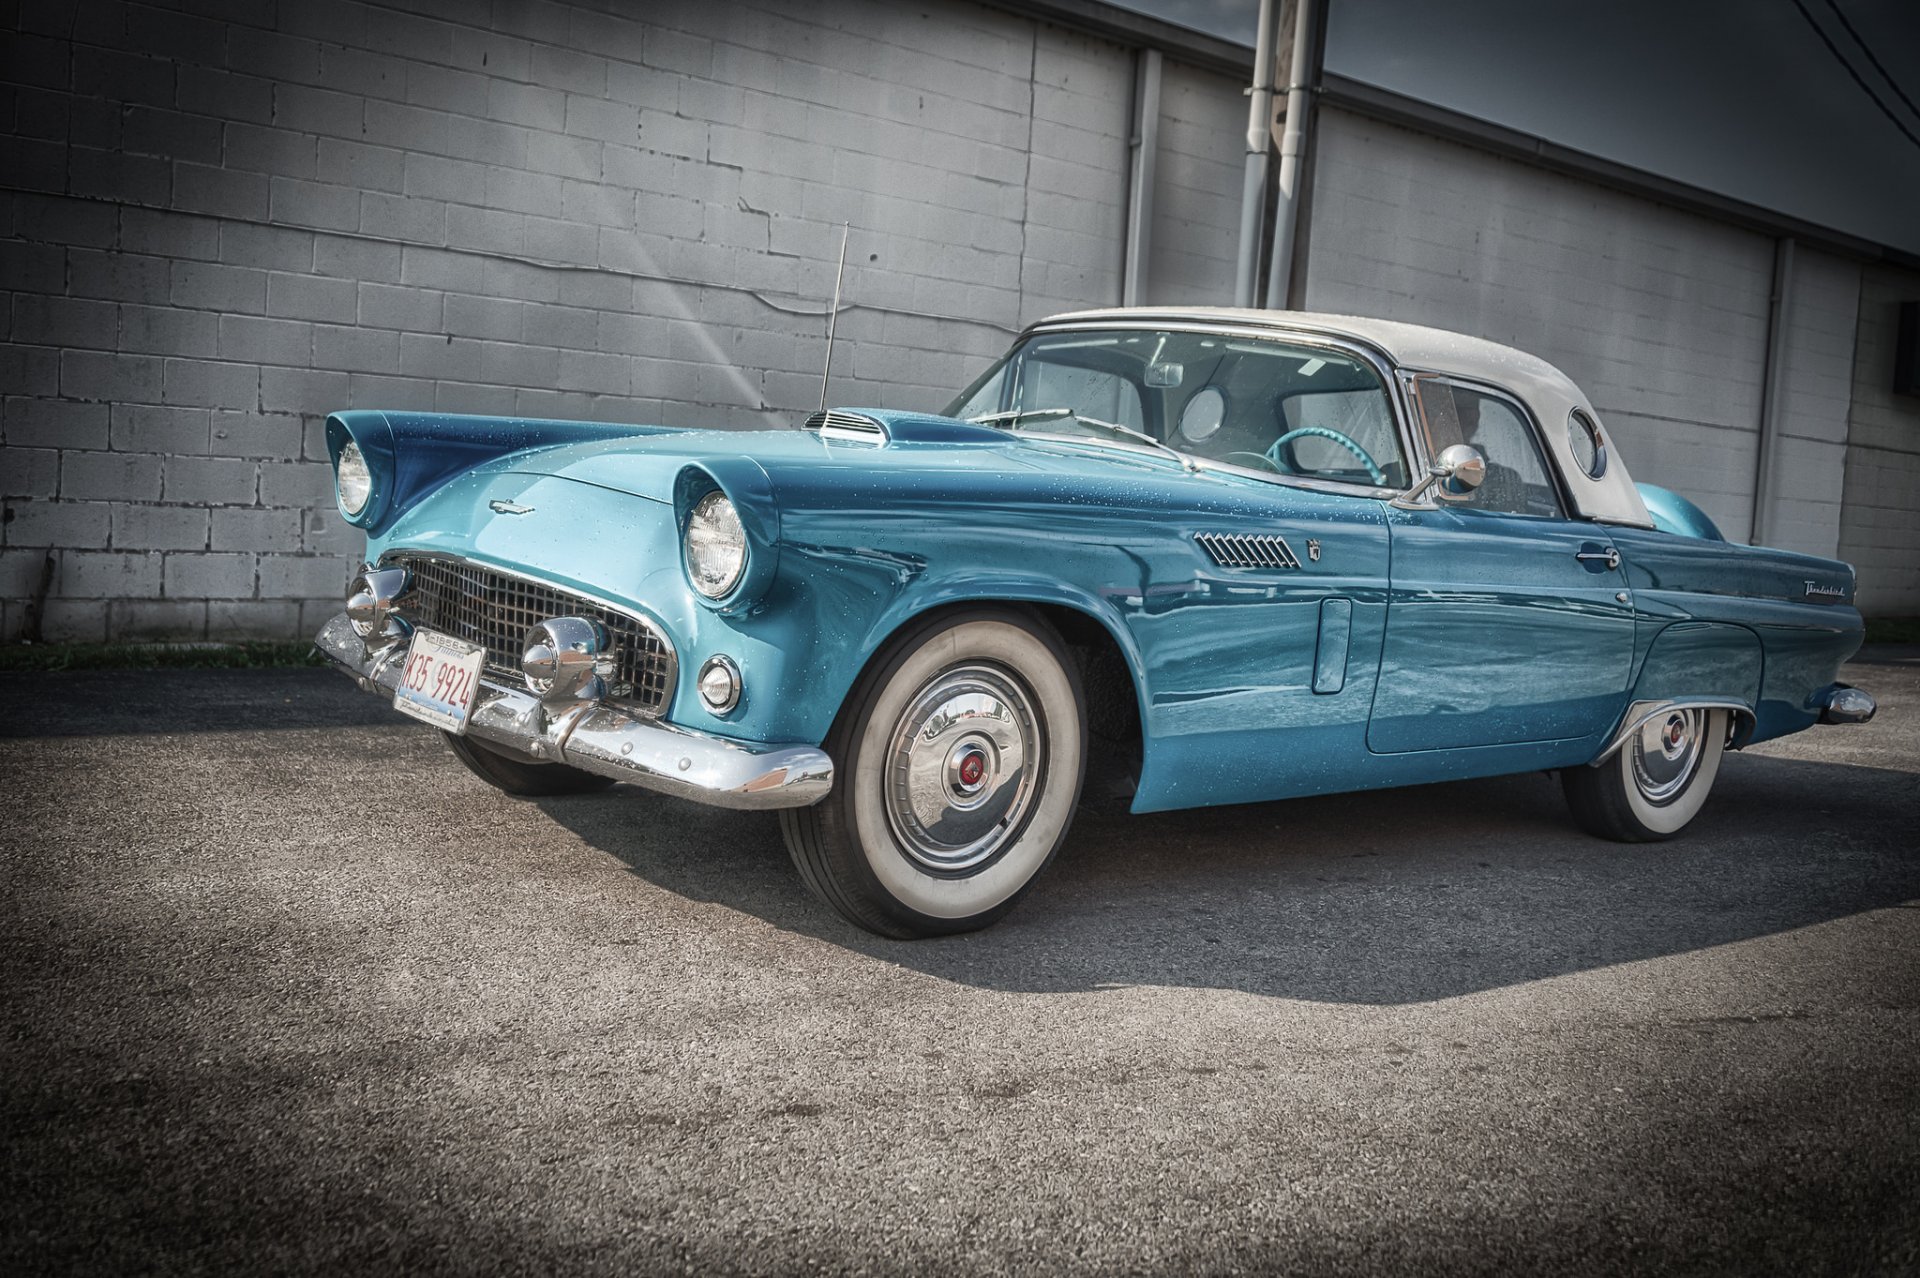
point(720, 684)
point(566, 657)
point(371, 598)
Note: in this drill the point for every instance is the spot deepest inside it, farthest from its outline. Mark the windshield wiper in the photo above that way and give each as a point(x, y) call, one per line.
point(1015, 416)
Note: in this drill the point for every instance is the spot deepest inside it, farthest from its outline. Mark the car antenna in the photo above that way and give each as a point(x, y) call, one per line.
point(833, 315)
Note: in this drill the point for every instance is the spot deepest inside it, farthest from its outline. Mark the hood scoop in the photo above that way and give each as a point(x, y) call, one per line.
point(878, 426)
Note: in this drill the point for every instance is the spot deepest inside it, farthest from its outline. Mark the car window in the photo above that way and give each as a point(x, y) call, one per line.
point(1517, 482)
point(1274, 407)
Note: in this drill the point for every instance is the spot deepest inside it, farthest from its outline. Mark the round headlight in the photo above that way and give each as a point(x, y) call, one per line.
point(352, 479)
point(716, 546)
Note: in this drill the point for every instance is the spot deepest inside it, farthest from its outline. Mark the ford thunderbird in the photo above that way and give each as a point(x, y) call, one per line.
point(1198, 556)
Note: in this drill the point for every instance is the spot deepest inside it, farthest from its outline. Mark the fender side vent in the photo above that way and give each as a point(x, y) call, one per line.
point(1247, 550)
point(843, 427)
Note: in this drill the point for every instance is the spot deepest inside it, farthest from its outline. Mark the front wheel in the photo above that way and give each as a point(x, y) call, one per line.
point(1655, 783)
point(959, 754)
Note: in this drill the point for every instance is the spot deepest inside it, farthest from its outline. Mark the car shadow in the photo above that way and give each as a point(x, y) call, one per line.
point(1385, 897)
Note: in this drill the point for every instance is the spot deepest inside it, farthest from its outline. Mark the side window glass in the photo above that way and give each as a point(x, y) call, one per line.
point(1517, 482)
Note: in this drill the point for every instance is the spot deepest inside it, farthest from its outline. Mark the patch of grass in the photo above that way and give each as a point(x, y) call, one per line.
point(31, 658)
point(1893, 630)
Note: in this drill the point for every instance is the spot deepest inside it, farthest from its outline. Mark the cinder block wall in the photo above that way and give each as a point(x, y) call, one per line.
point(1880, 520)
point(221, 221)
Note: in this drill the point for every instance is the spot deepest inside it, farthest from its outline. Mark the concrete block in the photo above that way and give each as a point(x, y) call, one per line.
point(467, 397)
point(74, 621)
point(580, 159)
point(111, 376)
point(310, 297)
point(164, 330)
point(124, 277)
point(396, 217)
point(34, 268)
point(356, 349)
point(53, 423)
point(569, 69)
point(258, 531)
point(444, 269)
point(405, 394)
point(551, 240)
point(276, 152)
point(488, 230)
point(54, 220)
point(445, 89)
point(207, 286)
point(110, 476)
point(522, 192)
point(491, 53)
point(265, 341)
point(225, 95)
point(516, 279)
point(355, 259)
point(302, 391)
point(37, 166)
point(296, 202)
point(111, 74)
point(159, 528)
point(494, 318)
point(119, 177)
point(146, 130)
point(273, 436)
point(209, 384)
point(488, 141)
point(147, 428)
point(595, 373)
point(362, 71)
point(311, 110)
point(132, 620)
point(30, 370)
point(175, 235)
point(344, 163)
point(107, 575)
point(324, 532)
point(397, 306)
point(29, 472)
point(528, 105)
point(211, 576)
point(63, 321)
point(79, 525)
point(295, 577)
point(438, 178)
point(270, 619)
point(298, 484)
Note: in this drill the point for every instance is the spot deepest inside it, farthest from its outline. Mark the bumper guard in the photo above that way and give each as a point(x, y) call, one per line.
point(606, 740)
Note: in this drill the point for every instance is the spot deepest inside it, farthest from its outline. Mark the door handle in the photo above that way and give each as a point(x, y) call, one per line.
point(1609, 556)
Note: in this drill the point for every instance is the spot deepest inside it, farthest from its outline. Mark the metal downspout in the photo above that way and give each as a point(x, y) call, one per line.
point(1293, 147)
point(1772, 389)
point(1259, 142)
point(1145, 145)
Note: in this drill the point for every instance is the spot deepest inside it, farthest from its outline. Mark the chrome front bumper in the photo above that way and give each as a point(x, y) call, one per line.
point(604, 739)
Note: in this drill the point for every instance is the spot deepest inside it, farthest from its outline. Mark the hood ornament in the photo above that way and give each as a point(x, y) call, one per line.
point(508, 508)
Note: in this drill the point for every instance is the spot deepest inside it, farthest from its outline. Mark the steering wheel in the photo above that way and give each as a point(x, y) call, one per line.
point(1277, 457)
point(1262, 458)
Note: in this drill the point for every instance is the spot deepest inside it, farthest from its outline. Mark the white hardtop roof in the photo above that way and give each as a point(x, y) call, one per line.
point(1550, 393)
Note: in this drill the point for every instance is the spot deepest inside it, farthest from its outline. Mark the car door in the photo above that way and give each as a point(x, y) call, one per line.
point(1507, 621)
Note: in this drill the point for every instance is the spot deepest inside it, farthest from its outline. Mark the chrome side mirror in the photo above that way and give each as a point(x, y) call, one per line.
point(1458, 471)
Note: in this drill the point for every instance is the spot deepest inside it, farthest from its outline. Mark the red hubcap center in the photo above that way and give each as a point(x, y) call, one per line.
point(972, 768)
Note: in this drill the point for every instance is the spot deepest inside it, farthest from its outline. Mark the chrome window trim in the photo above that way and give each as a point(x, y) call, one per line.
point(671, 676)
point(1575, 416)
point(1479, 386)
point(1376, 358)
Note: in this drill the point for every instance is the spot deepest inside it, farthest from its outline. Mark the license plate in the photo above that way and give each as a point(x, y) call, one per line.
point(441, 675)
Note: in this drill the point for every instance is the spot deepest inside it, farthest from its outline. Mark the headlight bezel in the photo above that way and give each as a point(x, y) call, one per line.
point(714, 526)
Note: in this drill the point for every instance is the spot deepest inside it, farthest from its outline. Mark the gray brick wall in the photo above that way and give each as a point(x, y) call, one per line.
point(1880, 519)
point(1808, 469)
point(217, 225)
point(1659, 315)
point(1199, 175)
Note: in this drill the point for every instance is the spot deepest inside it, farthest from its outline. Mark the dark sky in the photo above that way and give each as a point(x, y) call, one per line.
point(1739, 97)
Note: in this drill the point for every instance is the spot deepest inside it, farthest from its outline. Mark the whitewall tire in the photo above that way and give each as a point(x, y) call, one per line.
point(1654, 785)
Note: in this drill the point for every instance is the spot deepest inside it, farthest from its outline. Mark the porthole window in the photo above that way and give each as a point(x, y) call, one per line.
point(1203, 414)
point(1589, 449)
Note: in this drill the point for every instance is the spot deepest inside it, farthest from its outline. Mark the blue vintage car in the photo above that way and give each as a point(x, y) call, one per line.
point(1211, 556)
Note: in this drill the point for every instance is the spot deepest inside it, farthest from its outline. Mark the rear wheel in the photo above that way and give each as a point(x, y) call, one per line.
point(959, 757)
point(1655, 783)
point(522, 777)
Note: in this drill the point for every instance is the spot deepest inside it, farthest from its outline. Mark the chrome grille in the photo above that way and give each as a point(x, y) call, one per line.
point(496, 609)
point(1248, 550)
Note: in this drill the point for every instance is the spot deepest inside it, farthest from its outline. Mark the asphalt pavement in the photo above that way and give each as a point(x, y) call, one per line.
point(286, 989)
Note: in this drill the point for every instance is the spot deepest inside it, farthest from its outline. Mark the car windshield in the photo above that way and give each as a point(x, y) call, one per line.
point(1270, 406)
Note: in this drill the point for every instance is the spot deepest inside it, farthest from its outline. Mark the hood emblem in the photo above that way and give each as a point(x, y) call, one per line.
point(508, 508)
point(1313, 549)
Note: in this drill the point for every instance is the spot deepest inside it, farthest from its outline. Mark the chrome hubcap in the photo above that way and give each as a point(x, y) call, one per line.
point(961, 768)
point(1665, 752)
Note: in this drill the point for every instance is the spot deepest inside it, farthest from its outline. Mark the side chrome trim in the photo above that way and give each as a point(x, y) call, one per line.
point(607, 740)
point(1640, 711)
